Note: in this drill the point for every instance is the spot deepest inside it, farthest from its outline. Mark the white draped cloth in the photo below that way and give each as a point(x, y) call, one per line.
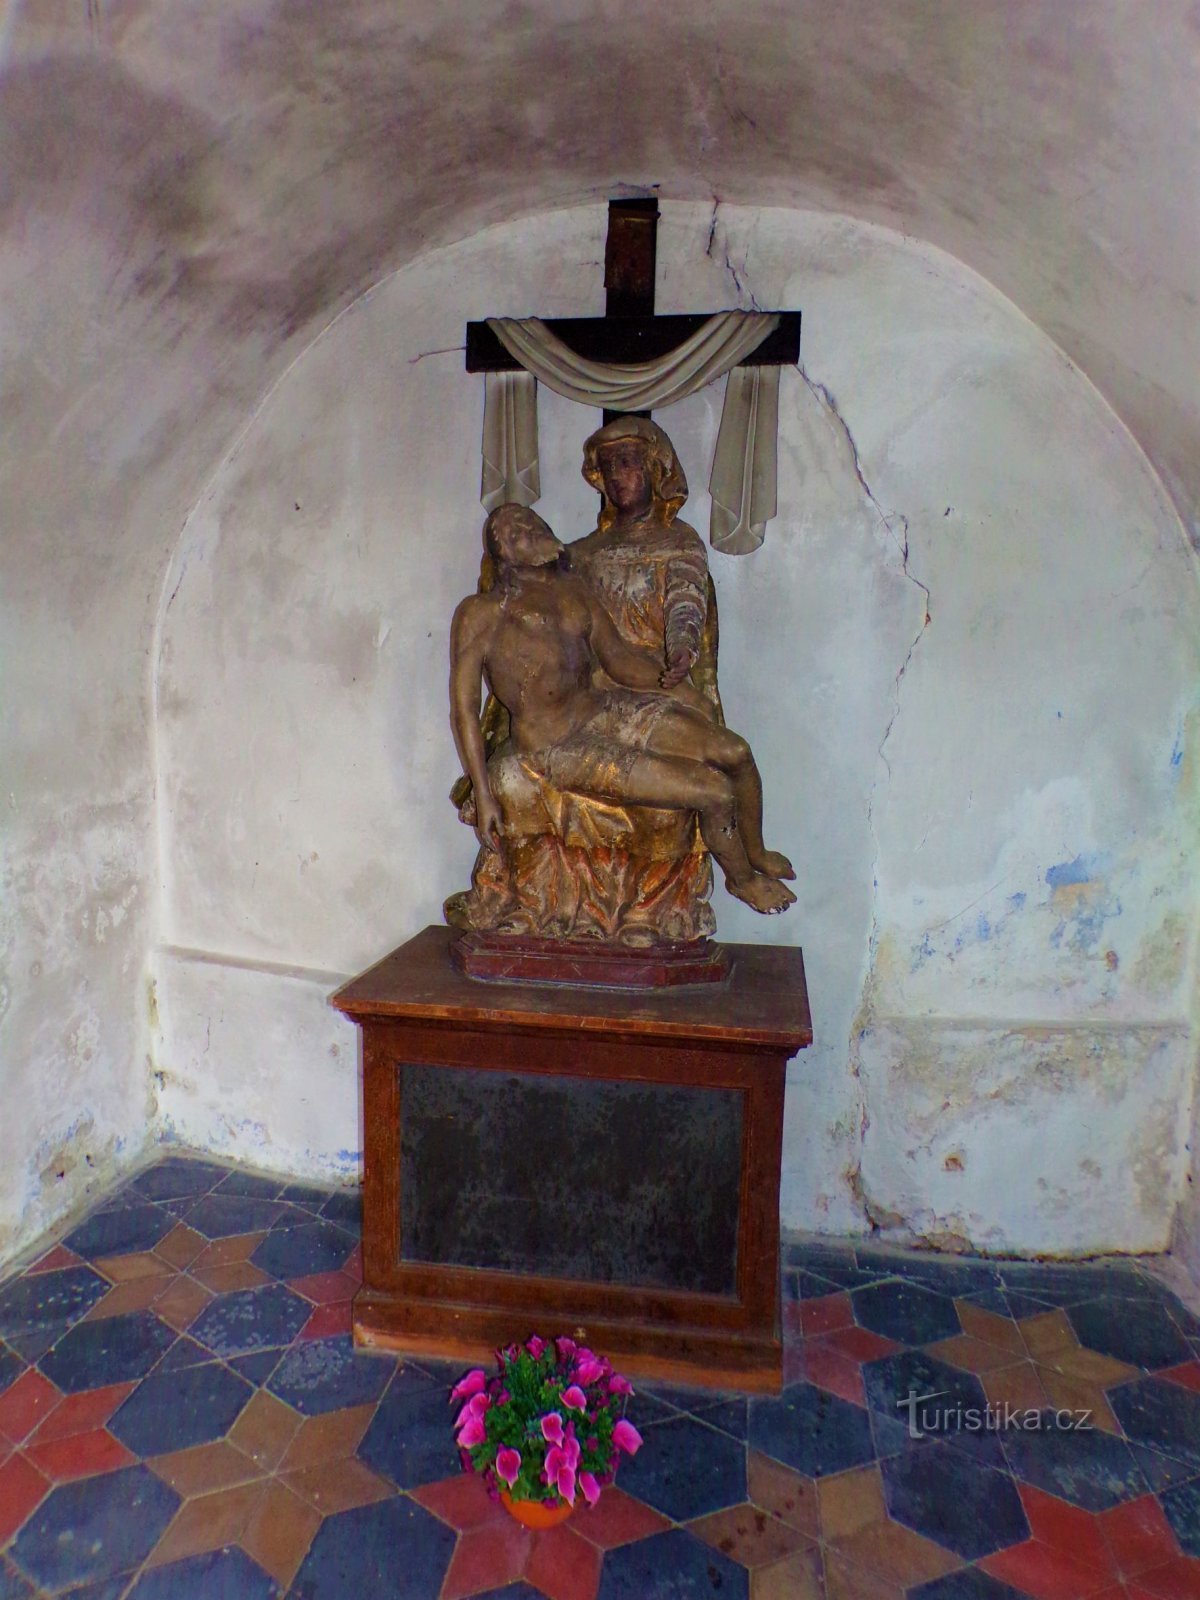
point(743, 478)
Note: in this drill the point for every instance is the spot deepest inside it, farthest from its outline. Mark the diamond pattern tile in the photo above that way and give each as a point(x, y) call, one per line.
point(183, 1414)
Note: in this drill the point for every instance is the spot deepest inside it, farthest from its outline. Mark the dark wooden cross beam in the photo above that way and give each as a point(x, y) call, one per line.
point(629, 330)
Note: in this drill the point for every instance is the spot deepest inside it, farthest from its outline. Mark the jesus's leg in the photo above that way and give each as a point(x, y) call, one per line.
point(680, 733)
point(687, 785)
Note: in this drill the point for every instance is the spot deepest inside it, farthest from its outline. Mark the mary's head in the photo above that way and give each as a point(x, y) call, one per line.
point(632, 464)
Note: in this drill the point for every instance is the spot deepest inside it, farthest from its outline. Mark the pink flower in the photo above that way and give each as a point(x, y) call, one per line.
point(571, 1451)
point(627, 1438)
point(575, 1398)
point(566, 1348)
point(535, 1346)
point(556, 1459)
point(508, 1465)
point(591, 1489)
point(471, 1384)
point(619, 1385)
point(565, 1483)
point(471, 1433)
point(552, 1427)
point(475, 1407)
point(589, 1369)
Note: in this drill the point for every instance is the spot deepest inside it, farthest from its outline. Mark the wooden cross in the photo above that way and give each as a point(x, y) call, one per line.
point(629, 330)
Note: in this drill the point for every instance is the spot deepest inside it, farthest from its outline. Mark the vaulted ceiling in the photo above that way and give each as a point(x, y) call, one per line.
point(187, 192)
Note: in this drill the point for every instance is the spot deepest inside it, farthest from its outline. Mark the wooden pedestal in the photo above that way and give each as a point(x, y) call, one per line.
point(576, 1161)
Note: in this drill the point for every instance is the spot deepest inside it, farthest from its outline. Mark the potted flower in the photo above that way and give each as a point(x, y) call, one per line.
point(547, 1427)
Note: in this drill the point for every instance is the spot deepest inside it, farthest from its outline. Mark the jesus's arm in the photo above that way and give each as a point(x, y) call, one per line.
point(468, 639)
point(636, 669)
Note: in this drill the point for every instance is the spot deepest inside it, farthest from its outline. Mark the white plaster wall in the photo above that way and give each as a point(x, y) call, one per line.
point(993, 813)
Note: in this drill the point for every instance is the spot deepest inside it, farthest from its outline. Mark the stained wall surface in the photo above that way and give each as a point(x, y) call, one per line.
point(966, 657)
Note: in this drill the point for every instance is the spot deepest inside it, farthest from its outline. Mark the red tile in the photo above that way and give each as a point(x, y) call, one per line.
point(860, 1345)
point(80, 1413)
point(1188, 1375)
point(326, 1321)
point(83, 1455)
point(830, 1370)
point(1139, 1535)
point(793, 1328)
point(21, 1488)
point(321, 1287)
point(26, 1403)
point(353, 1265)
point(825, 1314)
point(1044, 1573)
point(487, 1558)
point(616, 1518)
point(793, 1364)
point(60, 1256)
point(564, 1566)
point(463, 1501)
point(1178, 1580)
point(1065, 1527)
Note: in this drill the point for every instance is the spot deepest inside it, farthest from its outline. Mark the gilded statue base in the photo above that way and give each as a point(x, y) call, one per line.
point(513, 958)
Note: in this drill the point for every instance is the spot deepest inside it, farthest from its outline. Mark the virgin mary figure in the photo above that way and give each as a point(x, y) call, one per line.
point(574, 867)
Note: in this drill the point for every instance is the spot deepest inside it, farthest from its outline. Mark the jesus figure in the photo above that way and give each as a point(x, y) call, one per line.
point(536, 639)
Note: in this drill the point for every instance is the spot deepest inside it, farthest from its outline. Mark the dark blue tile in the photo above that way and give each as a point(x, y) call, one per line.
point(393, 1549)
point(11, 1367)
point(959, 1279)
point(731, 1416)
point(173, 1410)
point(108, 1589)
point(326, 1374)
point(112, 1233)
point(1006, 1303)
point(684, 1397)
point(671, 1566)
point(960, 1504)
point(220, 1216)
point(297, 1252)
point(177, 1179)
point(95, 1528)
point(1141, 1332)
point(49, 1301)
point(797, 1285)
point(257, 1368)
point(1069, 1283)
point(850, 1276)
point(410, 1439)
point(184, 1352)
point(13, 1585)
point(309, 1195)
point(931, 1400)
point(447, 1373)
point(511, 1591)
point(1165, 1416)
point(813, 1255)
point(31, 1347)
point(906, 1312)
point(1089, 1468)
point(969, 1584)
point(219, 1575)
point(113, 1350)
point(814, 1432)
point(643, 1409)
point(1025, 1305)
point(1161, 1472)
point(686, 1470)
point(251, 1319)
point(251, 1186)
point(1182, 1506)
point(344, 1207)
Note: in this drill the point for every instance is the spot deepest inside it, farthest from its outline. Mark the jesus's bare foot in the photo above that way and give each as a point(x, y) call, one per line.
point(763, 893)
point(772, 864)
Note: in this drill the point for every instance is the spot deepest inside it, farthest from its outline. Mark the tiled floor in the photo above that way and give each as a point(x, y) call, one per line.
point(182, 1417)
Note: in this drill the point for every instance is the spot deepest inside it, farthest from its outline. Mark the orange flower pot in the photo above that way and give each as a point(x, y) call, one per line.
point(537, 1514)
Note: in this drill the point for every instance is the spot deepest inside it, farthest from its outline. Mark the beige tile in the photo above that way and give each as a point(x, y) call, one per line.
point(207, 1523)
point(1047, 1334)
point(238, 1247)
point(990, 1328)
point(1069, 1394)
point(279, 1532)
point(1089, 1366)
point(329, 1438)
point(1018, 1386)
point(182, 1303)
point(749, 1536)
point(265, 1429)
point(898, 1554)
point(135, 1294)
point(236, 1275)
point(120, 1269)
point(204, 1468)
point(181, 1246)
point(971, 1355)
point(785, 1494)
point(797, 1577)
point(851, 1502)
point(846, 1582)
point(338, 1486)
